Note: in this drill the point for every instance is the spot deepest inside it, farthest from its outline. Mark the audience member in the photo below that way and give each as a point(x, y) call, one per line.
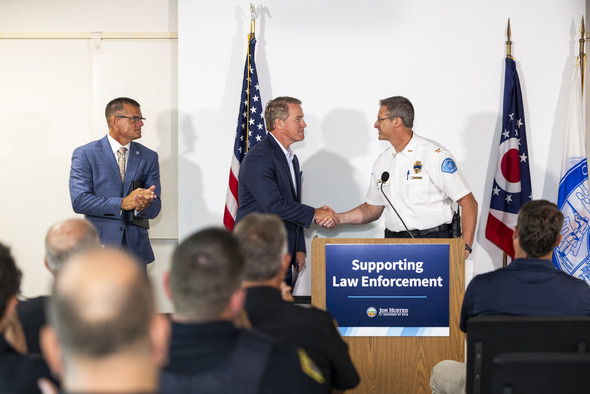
point(18, 372)
point(529, 285)
point(63, 240)
point(263, 241)
point(104, 334)
point(208, 353)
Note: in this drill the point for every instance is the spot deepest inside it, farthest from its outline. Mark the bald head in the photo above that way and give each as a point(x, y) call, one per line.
point(102, 304)
point(67, 238)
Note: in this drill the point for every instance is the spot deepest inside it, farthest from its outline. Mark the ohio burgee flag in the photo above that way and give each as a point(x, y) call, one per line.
point(512, 181)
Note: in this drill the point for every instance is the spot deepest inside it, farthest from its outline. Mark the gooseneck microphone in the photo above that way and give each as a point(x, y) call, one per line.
point(385, 178)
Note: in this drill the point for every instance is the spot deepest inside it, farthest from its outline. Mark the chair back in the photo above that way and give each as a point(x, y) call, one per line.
point(540, 373)
point(489, 336)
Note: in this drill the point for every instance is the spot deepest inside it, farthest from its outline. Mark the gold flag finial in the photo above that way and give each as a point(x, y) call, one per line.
point(508, 43)
point(582, 36)
point(252, 19)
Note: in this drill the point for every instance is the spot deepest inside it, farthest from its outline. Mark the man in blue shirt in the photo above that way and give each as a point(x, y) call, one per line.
point(529, 285)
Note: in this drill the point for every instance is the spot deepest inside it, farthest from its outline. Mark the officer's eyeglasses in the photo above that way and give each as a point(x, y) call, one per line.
point(379, 120)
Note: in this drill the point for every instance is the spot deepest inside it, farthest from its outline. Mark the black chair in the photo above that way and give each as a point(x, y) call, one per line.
point(489, 336)
point(541, 373)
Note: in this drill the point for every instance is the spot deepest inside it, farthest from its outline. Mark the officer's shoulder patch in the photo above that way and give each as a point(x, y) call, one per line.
point(448, 166)
point(309, 368)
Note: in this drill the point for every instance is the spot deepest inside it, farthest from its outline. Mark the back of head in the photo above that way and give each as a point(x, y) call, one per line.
point(118, 105)
point(400, 106)
point(263, 241)
point(10, 277)
point(66, 238)
point(102, 304)
point(278, 108)
point(206, 270)
point(539, 224)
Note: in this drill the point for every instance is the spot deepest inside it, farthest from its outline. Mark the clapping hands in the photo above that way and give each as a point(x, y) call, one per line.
point(326, 217)
point(139, 199)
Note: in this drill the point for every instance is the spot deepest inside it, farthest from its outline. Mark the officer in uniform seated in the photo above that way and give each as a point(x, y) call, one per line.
point(263, 240)
point(208, 353)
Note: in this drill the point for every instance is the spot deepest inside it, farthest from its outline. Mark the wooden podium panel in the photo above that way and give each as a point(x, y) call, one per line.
point(399, 364)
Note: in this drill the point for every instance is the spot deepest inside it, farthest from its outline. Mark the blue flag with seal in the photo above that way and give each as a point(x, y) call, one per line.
point(572, 254)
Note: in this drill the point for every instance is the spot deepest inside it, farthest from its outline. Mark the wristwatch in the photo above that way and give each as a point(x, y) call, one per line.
point(468, 248)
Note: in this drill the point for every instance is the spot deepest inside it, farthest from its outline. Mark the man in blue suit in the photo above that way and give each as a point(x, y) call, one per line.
point(101, 180)
point(270, 178)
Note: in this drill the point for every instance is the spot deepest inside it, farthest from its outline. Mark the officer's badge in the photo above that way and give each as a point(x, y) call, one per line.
point(448, 166)
point(417, 167)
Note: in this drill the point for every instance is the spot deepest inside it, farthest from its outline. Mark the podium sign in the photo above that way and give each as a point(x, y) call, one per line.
point(401, 363)
point(388, 289)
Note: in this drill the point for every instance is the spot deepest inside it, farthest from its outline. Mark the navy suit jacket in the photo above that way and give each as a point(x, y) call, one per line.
point(525, 287)
point(266, 186)
point(96, 191)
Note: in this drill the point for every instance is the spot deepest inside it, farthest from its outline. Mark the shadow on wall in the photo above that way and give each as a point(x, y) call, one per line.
point(166, 127)
point(329, 174)
point(487, 140)
point(192, 209)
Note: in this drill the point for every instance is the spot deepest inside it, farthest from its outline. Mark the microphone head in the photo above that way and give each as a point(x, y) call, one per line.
point(385, 176)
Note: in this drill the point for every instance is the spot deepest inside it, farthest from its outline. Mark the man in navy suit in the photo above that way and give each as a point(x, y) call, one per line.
point(101, 178)
point(270, 178)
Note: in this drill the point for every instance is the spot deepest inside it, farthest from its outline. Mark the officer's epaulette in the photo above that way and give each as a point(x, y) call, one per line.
point(309, 368)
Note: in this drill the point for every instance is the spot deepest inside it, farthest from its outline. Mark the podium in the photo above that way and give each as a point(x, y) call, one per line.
point(393, 360)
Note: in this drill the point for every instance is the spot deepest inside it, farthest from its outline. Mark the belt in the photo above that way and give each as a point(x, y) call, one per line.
point(437, 229)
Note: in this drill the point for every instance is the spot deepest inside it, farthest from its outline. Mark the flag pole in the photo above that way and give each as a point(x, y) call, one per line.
point(508, 54)
point(250, 37)
point(508, 43)
point(582, 54)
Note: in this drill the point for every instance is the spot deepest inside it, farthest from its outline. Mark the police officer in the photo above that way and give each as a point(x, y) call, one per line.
point(420, 179)
point(208, 352)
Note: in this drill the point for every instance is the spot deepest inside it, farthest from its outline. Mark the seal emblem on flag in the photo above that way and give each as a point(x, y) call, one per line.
point(572, 253)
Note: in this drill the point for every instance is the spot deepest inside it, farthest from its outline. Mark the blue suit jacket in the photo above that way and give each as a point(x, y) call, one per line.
point(265, 185)
point(96, 191)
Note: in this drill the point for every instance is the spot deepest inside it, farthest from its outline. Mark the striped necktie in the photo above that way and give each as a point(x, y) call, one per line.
point(121, 162)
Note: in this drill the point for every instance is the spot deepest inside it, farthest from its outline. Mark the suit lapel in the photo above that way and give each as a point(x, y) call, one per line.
point(110, 159)
point(132, 164)
point(278, 152)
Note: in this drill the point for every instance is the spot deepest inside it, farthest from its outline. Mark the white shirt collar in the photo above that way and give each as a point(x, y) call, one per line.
point(288, 152)
point(115, 145)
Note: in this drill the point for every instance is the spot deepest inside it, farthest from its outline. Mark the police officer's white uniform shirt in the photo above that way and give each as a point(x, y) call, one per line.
point(423, 182)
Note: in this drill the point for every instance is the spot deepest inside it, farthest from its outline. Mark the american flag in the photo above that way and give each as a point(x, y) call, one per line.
point(512, 182)
point(250, 131)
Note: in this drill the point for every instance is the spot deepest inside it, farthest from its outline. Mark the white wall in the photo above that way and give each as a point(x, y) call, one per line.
point(53, 93)
point(340, 58)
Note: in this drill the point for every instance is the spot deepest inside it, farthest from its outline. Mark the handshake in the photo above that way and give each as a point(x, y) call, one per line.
point(326, 217)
